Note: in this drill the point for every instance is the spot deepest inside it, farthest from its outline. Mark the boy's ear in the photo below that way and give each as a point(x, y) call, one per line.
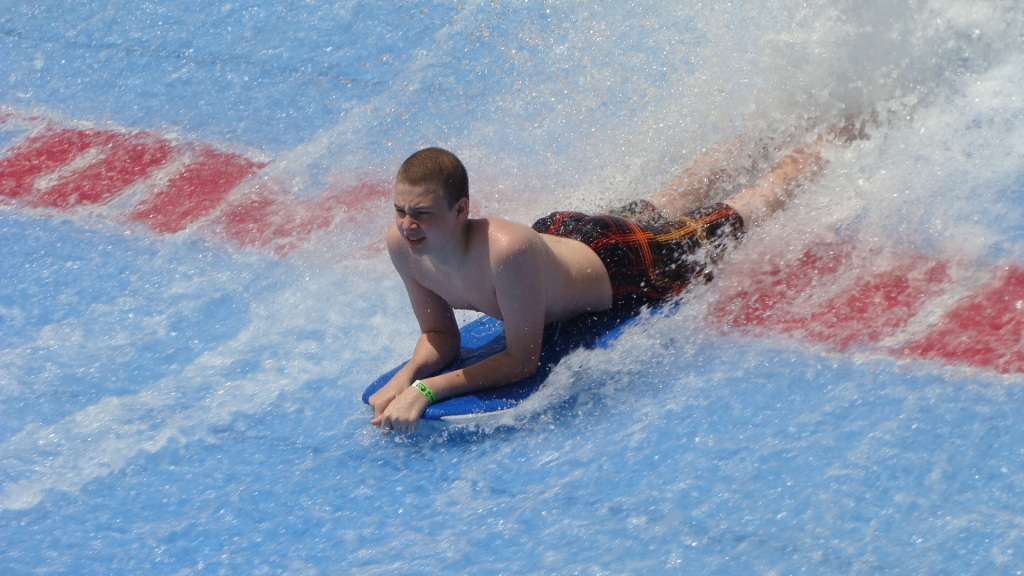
point(462, 208)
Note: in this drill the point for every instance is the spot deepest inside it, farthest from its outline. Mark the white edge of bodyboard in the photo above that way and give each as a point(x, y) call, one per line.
point(478, 416)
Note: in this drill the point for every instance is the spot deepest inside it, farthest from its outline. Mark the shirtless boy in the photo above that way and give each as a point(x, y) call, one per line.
point(565, 265)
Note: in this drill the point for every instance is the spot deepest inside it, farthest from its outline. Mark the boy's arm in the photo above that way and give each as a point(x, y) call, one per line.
point(520, 293)
point(437, 345)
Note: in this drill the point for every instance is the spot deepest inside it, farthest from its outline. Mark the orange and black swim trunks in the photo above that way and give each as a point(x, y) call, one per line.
point(650, 258)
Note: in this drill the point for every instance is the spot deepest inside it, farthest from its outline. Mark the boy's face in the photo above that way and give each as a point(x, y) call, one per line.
point(424, 219)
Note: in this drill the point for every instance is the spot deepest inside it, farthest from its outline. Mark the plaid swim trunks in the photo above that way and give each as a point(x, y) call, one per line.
point(650, 258)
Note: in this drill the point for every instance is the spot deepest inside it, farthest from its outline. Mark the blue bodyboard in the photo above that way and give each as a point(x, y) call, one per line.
point(485, 337)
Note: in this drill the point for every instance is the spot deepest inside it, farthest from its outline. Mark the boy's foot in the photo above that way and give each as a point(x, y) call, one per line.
point(851, 128)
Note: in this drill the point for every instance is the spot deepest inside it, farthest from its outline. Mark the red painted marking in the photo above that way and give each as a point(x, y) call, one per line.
point(43, 153)
point(780, 299)
point(246, 220)
point(985, 329)
point(877, 305)
point(196, 191)
point(767, 298)
point(132, 157)
point(267, 217)
point(357, 200)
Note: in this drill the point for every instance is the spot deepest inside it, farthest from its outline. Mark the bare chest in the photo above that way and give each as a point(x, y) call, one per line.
point(471, 289)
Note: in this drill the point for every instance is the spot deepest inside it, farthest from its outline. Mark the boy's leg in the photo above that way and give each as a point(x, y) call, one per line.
point(695, 186)
point(772, 191)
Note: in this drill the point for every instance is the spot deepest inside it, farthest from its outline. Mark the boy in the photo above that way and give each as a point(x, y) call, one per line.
point(565, 265)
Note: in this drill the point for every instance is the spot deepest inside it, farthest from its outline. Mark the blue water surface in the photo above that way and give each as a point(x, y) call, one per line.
point(264, 74)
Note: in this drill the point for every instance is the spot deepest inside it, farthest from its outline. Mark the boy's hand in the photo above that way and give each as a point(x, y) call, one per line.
point(402, 413)
point(380, 399)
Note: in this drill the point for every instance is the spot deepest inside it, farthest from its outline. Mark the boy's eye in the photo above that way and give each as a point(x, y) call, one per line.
point(413, 213)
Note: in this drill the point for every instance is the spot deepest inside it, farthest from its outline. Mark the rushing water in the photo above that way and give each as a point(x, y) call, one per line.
point(172, 403)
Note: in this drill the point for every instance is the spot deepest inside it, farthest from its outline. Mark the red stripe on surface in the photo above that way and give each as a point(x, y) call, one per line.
point(264, 217)
point(43, 153)
point(767, 297)
point(876, 306)
point(246, 221)
point(131, 157)
point(366, 196)
point(985, 329)
point(196, 191)
point(783, 299)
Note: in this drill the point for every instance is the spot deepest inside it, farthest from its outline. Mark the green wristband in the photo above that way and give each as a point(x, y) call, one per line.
point(426, 391)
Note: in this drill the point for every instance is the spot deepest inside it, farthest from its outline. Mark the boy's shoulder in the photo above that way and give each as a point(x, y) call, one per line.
point(491, 241)
point(506, 238)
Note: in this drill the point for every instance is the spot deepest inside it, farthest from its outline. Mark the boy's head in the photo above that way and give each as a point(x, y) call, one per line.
point(437, 168)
